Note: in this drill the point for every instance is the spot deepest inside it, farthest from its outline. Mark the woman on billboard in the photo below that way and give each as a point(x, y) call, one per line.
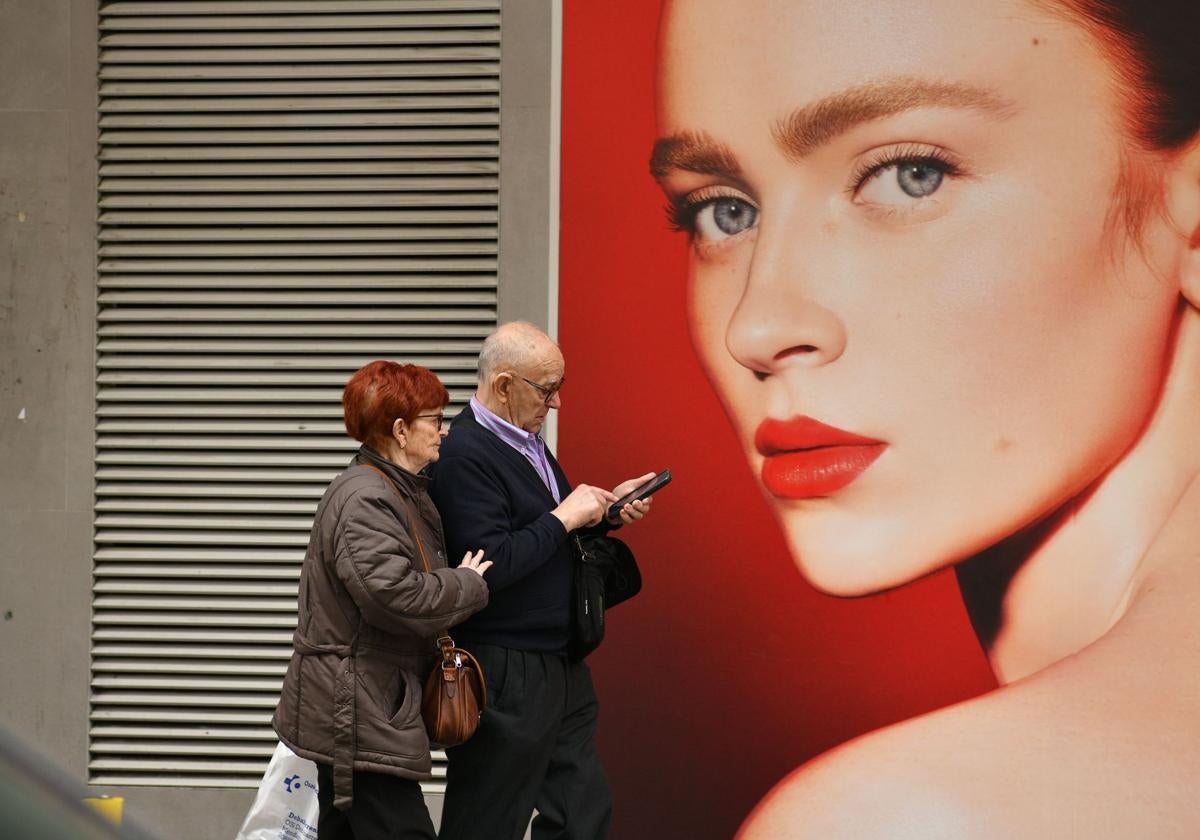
point(945, 276)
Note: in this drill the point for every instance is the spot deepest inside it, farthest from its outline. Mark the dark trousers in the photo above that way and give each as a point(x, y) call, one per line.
point(385, 807)
point(535, 747)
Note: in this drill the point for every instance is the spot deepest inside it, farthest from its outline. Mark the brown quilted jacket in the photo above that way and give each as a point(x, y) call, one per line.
point(368, 621)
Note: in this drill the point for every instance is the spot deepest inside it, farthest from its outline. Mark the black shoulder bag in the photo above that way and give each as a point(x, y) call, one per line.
point(606, 574)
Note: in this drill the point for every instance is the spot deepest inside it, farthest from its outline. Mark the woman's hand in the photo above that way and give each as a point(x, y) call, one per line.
point(475, 562)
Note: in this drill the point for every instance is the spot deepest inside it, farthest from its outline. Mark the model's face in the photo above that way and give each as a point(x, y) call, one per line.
point(905, 282)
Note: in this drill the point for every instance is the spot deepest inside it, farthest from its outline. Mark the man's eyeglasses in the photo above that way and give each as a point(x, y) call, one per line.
point(439, 417)
point(547, 394)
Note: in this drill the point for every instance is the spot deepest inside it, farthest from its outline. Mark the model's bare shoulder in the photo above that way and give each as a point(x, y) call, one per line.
point(863, 790)
point(900, 782)
point(1105, 743)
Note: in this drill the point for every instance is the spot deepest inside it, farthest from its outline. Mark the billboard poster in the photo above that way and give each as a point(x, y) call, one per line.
point(905, 295)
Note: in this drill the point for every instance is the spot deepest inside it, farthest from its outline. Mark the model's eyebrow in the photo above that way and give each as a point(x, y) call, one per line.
point(811, 126)
point(693, 151)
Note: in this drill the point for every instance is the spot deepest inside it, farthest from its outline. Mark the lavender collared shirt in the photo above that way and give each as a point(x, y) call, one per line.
point(527, 443)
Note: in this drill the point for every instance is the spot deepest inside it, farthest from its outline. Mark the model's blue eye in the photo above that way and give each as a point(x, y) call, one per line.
point(918, 178)
point(903, 181)
point(723, 217)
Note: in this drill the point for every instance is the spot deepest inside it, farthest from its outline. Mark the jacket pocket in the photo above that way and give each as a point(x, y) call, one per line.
point(388, 720)
point(408, 702)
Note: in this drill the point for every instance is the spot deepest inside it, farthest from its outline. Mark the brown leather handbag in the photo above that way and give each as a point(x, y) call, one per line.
point(455, 695)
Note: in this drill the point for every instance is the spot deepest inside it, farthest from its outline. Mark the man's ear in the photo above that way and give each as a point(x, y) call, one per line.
point(1183, 205)
point(501, 383)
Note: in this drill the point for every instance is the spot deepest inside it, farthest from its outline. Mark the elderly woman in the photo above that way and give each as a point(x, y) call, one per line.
point(375, 593)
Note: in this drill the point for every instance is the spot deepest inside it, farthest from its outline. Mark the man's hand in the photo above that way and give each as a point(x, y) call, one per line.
point(585, 506)
point(633, 511)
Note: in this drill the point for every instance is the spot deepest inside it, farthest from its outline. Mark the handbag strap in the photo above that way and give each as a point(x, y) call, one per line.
point(452, 657)
point(412, 516)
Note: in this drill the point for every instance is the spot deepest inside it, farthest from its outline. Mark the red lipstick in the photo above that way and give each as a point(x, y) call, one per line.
point(805, 459)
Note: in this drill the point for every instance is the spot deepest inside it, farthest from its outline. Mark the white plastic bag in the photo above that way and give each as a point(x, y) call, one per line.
point(286, 806)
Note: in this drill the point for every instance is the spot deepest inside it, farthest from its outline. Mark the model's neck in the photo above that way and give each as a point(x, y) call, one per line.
point(1052, 590)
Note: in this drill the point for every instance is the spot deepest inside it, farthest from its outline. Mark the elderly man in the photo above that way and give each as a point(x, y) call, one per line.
point(497, 487)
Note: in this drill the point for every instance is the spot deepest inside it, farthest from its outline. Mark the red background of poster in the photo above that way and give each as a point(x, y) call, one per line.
point(728, 670)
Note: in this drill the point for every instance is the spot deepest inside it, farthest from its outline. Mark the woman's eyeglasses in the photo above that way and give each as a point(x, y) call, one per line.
point(439, 417)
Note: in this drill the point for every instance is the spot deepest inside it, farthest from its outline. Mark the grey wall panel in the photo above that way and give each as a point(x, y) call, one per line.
point(47, 301)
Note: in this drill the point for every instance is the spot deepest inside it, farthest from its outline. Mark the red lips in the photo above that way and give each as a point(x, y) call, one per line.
point(806, 459)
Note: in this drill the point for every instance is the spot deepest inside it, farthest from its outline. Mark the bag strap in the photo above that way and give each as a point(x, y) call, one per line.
point(412, 517)
point(452, 657)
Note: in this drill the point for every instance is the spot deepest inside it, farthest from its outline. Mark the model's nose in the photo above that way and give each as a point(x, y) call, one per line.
point(778, 322)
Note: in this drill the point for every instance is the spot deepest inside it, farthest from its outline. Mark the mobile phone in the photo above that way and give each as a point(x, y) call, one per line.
point(644, 492)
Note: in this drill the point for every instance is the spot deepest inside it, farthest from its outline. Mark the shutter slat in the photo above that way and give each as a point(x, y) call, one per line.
point(307, 220)
point(336, 199)
point(316, 330)
point(143, 8)
point(296, 21)
point(418, 71)
point(295, 238)
point(276, 153)
point(445, 141)
point(378, 320)
point(245, 111)
point(434, 184)
point(197, 620)
point(265, 41)
point(186, 732)
point(265, 168)
point(147, 98)
point(181, 653)
point(289, 53)
point(119, 665)
point(162, 572)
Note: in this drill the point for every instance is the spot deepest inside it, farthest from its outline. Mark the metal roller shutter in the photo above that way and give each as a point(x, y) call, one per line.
point(288, 189)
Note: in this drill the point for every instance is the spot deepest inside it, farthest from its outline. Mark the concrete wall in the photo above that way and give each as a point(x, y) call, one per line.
point(48, 125)
point(47, 336)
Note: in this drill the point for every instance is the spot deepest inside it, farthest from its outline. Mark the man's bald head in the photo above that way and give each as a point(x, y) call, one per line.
point(520, 373)
point(517, 345)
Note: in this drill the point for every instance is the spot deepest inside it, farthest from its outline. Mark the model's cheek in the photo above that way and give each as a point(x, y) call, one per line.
point(714, 291)
point(714, 288)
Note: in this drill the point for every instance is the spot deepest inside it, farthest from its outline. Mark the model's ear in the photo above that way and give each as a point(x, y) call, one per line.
point(1183, 204)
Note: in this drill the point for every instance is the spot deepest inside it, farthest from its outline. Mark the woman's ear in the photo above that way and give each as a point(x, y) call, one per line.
point(400, 432)
point(1183, 205)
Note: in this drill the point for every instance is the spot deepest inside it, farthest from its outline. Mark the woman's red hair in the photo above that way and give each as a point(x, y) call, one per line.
point(381, 391)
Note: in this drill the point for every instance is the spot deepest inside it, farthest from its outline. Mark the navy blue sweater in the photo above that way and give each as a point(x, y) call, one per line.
point(491, 497)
